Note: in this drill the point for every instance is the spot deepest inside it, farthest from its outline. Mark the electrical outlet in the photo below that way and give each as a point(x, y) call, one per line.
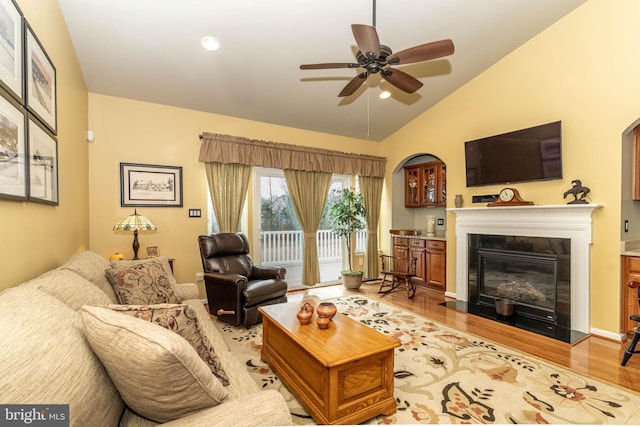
point(440, 221)
point(199, 277)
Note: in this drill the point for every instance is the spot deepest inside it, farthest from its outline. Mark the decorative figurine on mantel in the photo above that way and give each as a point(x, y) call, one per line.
point(578, 191)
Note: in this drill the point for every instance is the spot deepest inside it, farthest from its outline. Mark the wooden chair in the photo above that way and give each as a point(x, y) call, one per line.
point(397, 272)
point(631, 349)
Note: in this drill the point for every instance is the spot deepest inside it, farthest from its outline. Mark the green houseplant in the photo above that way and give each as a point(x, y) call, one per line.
point(346, 213)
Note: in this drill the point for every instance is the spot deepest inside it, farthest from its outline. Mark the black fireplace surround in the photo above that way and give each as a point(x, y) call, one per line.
point(533, 273)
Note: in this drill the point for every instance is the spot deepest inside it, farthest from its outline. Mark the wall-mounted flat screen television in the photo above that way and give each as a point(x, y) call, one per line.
point(532, 154)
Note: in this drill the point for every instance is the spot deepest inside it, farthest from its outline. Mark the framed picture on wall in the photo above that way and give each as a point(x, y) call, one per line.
point(43, 164)
point(13, 151)
point(150, 185)
point(41, 82)
point(11, 48)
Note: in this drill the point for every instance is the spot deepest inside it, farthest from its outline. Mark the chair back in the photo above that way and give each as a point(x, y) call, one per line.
point(225, 253)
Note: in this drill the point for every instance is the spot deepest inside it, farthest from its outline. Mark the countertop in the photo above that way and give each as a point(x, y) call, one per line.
point(422, 234)
point(630, 248)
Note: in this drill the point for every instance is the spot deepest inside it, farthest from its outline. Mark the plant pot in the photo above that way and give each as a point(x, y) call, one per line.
point(352, 280)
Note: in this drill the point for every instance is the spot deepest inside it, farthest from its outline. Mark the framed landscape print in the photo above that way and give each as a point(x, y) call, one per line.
point(43, 164)
point(11, 49)
point(150, 185)
point(13, 153)
point(40, 82)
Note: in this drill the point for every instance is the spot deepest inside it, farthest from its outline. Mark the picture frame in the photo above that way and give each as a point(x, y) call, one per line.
point(41, 99)
point(13, 151)
point(150, 185)
point(12, 52)
point(43, 164)
point(153, 251)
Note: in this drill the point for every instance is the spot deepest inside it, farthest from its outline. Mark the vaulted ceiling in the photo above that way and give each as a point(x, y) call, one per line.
point(150, 50)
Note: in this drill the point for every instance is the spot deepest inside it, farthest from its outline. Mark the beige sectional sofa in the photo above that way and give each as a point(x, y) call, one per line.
point(45, 357)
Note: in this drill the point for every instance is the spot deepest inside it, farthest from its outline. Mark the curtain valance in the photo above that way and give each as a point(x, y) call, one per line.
point(253, 152)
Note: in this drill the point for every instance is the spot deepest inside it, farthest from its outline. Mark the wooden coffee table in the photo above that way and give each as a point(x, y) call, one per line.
point(342, 375)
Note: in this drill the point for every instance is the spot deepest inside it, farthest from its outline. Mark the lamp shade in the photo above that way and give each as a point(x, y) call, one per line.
point(134, 222)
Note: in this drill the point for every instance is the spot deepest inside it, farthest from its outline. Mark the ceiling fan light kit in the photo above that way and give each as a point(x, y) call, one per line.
point(375, 58)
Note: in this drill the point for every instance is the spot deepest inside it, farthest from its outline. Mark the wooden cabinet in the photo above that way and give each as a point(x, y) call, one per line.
point(430, 259)
point(425, 185)
point(630, 271)
point(437, 263)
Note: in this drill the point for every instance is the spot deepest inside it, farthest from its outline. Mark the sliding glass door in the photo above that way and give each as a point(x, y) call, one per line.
point(279, 238)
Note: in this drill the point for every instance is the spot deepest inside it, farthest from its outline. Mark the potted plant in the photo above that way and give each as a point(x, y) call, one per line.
point(346, 214)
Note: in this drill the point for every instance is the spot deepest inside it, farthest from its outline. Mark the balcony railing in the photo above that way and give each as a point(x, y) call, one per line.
point(285, 247)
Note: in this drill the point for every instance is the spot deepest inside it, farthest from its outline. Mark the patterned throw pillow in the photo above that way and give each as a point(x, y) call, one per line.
point(145, 283)
point(181, 319)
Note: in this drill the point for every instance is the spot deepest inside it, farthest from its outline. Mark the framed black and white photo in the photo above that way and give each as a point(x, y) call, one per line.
point(150, 185)
point(11, 49)
point(43, 164)
point(40, 82)
point(13, 151)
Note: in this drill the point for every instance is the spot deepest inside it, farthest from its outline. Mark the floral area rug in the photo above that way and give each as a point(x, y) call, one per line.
point(449, 377)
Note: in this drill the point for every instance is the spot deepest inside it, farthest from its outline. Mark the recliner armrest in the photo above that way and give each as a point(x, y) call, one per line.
point(262, 273)
point(229, 279)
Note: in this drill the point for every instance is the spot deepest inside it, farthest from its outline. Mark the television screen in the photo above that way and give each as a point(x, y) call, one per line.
point(532, 154)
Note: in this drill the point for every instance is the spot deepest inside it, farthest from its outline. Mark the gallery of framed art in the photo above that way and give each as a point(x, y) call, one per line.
point(28, 113)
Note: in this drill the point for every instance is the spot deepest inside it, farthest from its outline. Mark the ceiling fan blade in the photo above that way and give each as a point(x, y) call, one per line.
point(328, 65)
point(423, 52)
point(354, 84)
point(401, 80)
point(367, 40)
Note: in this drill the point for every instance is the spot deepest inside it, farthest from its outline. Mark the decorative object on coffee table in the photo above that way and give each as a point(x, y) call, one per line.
point(578, 191)
point(509, 197)
point(304, 315)
point(326, 309)
point(323, 322)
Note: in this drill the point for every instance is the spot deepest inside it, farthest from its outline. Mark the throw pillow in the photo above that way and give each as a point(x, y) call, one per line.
point(181, 319)
point(165, 265)
point(158, 374)
point(145, 283)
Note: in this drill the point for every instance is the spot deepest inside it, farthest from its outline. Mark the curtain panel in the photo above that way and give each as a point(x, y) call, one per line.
point(252, 152)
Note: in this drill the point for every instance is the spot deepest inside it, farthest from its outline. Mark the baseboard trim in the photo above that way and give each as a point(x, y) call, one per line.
point(607, 334)
point(450, 294)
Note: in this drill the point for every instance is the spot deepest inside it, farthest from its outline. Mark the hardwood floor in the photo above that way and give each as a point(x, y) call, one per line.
point(594, 356)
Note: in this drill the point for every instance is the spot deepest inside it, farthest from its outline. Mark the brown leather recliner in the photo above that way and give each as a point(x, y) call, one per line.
point(235, 287)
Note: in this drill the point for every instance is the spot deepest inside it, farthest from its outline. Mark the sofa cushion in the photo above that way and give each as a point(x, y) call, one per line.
point(70, 288)
point(45, 359)
point(163, 260)
point(181, 319)
point(143, 283)
point(91, 266)
point(158, 374)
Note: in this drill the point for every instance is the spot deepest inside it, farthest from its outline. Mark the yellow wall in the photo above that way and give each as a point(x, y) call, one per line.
point(38, 237)
point(584, 71)
point(138, 132)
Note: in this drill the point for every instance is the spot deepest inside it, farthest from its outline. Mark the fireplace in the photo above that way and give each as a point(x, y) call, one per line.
point(535, 257)
point(532, 274)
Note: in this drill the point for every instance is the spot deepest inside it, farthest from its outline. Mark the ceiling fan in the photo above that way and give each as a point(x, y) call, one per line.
point(378, 58)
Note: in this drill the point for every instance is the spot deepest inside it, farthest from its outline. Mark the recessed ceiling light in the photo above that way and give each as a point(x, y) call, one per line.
point(385, 94)
point(210, 43)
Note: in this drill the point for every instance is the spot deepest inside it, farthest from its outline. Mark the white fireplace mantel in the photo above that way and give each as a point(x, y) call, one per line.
point(562, 221)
